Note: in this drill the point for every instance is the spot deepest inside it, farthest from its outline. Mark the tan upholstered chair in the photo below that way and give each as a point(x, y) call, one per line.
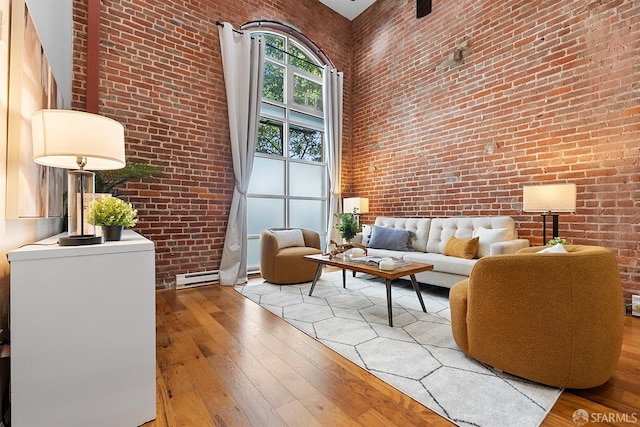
point(282, 252)
point(552, 318)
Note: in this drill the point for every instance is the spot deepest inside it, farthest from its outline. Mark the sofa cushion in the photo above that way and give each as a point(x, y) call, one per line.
point(463, 228)
point(289, 238)
point(442, 263)
point(489, 236)
point(386, 253)
point(389, 238)
point(462, 248)
point(419, 226)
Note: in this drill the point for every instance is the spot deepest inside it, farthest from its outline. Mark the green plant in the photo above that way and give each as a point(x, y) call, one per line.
point(348, 224)
point(557, 240)
point(111, 211)
point(107, 180)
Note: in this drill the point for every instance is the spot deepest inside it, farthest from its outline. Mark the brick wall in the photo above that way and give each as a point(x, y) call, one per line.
point(161, 77)
point(541, 91)
point(455, 112)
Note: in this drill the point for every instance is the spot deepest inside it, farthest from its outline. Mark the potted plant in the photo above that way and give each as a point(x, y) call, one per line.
point(348, 224)
point(107, 180)
point(557, 240)
point(112, 214)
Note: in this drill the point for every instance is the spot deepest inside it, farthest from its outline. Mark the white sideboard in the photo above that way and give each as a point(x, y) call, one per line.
point(83, 333)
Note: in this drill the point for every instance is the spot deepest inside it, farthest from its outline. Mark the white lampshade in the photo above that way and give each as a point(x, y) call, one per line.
point(60, 137)
point(361, 204)
point(549, 198)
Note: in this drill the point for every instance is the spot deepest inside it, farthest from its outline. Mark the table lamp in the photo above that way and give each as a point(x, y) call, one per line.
point(547, 199)
point(77, 140)
point(360, 204)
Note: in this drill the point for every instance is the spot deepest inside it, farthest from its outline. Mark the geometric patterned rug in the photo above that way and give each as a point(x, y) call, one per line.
point(417, 356)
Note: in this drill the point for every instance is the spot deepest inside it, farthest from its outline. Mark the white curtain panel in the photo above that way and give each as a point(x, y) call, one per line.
point(332, 93)
point(242, 62)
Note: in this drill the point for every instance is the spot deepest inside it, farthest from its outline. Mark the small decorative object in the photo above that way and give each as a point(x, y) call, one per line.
point(386, 264)
point(557, 240)
point(113, 215)
point(344, 248)
point(348, 224)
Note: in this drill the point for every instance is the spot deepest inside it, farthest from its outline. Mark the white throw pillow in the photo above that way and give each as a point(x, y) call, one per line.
point(366, 234)
point(289, 238)
point(487, 237)
point(558, 248)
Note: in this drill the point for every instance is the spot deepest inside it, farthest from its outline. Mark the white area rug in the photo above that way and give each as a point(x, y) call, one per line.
point(418, 356)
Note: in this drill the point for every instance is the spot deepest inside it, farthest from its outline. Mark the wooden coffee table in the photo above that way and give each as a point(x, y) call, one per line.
point(410, 269)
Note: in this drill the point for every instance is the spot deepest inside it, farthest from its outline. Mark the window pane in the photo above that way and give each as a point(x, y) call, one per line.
point(299, 59)
point(274, 46)
point(307, 180)
point(306, 119)
point(308, 214)
point(272, 110)
point(270, 137)
point(305, 144)
point(264, 213)
point(273, 87)
point(267, 177)
point(307, 93)
point(253, 254)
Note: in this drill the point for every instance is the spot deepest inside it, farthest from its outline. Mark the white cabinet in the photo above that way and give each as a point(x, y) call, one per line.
point(83, 333)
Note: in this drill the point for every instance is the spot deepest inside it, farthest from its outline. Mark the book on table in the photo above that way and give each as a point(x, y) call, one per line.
point(375, 260)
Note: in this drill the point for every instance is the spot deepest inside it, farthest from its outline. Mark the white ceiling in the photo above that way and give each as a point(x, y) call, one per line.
point(348, 8)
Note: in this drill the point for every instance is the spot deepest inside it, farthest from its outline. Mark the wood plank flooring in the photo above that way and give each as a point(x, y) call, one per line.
point(224, 361)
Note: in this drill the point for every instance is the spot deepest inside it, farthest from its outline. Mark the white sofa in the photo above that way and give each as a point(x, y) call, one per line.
point(497, 235)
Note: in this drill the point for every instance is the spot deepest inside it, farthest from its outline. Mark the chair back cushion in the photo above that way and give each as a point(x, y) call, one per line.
point(289, 238)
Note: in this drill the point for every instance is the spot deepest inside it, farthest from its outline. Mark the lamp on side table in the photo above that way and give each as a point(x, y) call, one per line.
point(547, 199)
point(75, 140)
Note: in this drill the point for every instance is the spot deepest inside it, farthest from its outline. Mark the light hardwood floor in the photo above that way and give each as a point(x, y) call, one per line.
point(224, 361)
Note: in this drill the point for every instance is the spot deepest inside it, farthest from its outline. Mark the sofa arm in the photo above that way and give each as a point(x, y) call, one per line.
point(508, 247)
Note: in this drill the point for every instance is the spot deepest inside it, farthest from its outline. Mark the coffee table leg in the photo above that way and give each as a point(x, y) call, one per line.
point(315, 279)
point(344, 278)
point(388, 283)
point(416, 287)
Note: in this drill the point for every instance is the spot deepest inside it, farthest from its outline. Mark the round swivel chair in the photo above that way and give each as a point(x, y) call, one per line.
point(554, 318)
point(282, 252)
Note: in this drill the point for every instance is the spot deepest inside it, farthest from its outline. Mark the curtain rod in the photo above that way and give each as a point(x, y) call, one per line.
point(221, 24)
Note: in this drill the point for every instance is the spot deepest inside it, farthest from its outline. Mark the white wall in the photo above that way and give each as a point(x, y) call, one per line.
point(54, 21)
point(13, 233)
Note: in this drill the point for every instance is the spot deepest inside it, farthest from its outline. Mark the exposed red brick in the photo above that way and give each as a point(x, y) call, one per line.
point(546, 92)
point(550, 87)
point(161, 77)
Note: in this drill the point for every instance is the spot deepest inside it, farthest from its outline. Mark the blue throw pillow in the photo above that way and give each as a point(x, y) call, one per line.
point(391, 239)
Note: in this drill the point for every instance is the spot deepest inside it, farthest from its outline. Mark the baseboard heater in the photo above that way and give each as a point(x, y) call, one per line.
point(191, 280)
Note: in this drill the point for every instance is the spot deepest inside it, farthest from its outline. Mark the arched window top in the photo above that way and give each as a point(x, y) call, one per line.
point(297, 35)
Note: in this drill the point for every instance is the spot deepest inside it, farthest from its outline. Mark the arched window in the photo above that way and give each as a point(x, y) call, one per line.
point(289, 182)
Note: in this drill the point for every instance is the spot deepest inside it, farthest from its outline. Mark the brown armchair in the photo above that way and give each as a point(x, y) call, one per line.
point(552, 318)
point(282, 255)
